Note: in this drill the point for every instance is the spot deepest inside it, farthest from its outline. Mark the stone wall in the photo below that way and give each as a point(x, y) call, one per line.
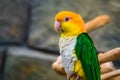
point(28, 43)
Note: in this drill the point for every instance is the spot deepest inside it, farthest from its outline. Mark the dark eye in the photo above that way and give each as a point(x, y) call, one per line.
point(66, 19)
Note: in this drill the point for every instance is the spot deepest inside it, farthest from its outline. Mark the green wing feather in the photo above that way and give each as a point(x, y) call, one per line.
point(87, 54)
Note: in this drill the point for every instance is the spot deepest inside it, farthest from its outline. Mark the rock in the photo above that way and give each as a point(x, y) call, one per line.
point(14, 20)
point(26, 64)
point(43, 36)
point(2, 60)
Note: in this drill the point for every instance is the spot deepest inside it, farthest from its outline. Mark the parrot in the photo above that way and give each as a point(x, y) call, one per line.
point(79, 55)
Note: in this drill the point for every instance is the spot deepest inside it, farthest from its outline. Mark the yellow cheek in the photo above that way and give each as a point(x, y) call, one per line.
point(70, 29)
point(68, 25)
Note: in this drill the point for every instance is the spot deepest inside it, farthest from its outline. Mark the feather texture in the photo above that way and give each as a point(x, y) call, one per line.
point(87, 54)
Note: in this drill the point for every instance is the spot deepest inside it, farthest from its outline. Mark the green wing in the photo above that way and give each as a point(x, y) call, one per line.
point(87, 54)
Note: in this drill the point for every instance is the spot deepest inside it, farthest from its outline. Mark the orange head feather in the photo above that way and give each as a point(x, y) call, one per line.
point(69, 23)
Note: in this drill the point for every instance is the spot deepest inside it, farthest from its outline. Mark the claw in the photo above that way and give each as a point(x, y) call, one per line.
point(78, 77)
point(71, 75)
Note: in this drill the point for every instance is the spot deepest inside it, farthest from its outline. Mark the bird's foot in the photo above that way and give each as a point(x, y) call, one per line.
point(73, 74)
point(78, 77)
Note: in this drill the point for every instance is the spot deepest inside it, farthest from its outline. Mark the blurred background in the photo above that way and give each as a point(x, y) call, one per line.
point(28, 43)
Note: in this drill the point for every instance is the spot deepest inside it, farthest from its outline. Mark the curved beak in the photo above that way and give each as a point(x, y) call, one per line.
point(57, 26)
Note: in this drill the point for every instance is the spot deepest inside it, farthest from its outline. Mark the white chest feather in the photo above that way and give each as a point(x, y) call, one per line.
point(67, 46)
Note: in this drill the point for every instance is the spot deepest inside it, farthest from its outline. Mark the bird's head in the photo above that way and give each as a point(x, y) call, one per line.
point(69, 23)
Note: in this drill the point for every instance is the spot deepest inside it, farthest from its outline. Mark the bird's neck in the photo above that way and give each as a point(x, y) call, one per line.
point(73, 33)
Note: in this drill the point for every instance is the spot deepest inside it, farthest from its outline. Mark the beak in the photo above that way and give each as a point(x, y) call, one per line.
point(57, 26)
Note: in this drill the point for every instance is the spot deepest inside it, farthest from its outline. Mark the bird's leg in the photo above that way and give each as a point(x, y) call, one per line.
point(71, 75)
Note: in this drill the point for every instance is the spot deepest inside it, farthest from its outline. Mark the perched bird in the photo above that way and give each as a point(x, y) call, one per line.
point(79, 56)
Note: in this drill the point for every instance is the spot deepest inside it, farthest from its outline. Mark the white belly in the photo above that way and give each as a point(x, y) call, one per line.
point(67, 46)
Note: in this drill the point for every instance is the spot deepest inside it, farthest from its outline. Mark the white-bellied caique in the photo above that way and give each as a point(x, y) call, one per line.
point(79, 56)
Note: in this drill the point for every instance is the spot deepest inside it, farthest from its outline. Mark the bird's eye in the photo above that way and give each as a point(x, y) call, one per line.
point(66, 19)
